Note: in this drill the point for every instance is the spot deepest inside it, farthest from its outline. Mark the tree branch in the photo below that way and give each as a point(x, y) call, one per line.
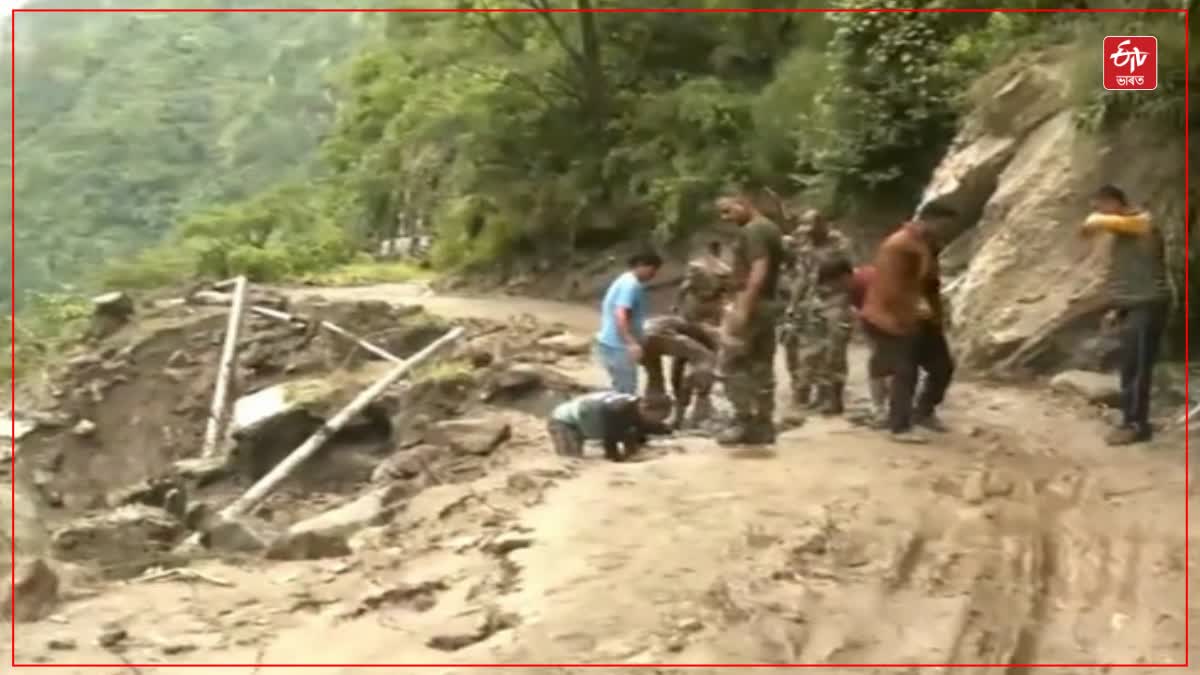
point(543, 7)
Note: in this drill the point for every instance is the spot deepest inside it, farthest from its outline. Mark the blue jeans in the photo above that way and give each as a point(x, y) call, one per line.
point(621, 369)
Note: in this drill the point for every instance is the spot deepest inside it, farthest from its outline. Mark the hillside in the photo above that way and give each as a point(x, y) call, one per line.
point(127, 122)
point(157, 149)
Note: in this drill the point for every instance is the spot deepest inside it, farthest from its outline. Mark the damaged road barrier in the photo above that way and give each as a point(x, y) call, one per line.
point(217, 298)
point(332, 328)
point(269, 482)
point(220, 405)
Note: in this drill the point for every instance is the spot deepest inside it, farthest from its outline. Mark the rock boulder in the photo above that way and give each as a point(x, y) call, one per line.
point(1022, 286)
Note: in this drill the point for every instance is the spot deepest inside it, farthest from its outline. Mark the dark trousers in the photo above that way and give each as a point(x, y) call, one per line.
point(1141, 334)
point(933, 357)
point(895, 356)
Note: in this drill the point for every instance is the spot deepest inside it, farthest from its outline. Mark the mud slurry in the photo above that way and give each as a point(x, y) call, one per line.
point(1014, 539)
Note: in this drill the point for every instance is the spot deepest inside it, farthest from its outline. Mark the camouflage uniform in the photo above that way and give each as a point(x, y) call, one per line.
point(691, 344)
point(830, 323)
point(802, 336)
point(747, 356)
point(704, 289)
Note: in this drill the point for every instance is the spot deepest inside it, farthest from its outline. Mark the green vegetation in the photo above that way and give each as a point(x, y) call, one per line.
point(156, 148)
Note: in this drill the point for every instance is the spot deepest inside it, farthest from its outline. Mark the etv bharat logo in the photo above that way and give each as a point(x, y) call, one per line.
point(1131, 62)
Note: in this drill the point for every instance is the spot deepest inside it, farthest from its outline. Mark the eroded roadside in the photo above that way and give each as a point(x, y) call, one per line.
point(1017, 538)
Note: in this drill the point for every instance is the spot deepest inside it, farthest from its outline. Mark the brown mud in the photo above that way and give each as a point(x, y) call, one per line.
point(1016, 538)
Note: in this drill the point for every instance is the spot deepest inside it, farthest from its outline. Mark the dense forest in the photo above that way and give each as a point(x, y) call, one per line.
point(154, 148)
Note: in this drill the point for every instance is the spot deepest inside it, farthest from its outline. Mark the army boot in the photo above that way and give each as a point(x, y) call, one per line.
point(834, 403)
point(739, 432)
point(820, 398)
point(802, 396)
point(677, 417)
point(762, 432)
point(702, 411)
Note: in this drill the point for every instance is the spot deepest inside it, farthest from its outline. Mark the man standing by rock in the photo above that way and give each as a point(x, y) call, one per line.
point(901, 297)
point(1139, 296)
point(802, 335)
point(747, 355)
point(622, 316)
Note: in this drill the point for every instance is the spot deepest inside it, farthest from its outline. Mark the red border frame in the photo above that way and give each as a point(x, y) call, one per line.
point(622, 10)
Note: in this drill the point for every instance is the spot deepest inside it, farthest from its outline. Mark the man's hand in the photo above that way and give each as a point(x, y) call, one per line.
point(1110, 321)
point(924, 311)
point(635, 352)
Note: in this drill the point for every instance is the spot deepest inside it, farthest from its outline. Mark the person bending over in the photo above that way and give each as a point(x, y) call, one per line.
point(692, 348)
point(613, 418)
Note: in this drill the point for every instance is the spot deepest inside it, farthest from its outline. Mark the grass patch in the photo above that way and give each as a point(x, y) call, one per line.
point(361, 273)
point(443, 371)
point(46, 328)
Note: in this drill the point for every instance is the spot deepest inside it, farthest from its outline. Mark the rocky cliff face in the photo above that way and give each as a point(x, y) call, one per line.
point(1023, 287)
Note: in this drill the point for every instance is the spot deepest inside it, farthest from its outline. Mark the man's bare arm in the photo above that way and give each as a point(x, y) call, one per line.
point(754, 285)
point(624, 325)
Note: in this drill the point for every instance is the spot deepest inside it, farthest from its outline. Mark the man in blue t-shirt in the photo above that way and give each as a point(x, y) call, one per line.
point(622, 315)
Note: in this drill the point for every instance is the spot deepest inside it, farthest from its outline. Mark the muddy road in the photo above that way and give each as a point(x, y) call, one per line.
point(1016, 538)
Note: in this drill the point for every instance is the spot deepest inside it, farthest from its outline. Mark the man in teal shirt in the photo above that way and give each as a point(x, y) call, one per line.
point(622, 319)
point(613, 418)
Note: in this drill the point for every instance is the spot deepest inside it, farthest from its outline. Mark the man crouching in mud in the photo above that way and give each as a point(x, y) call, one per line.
point(693, 346)
point(613, 418)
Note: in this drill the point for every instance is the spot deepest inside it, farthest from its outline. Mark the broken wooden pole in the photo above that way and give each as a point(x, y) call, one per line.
point(269, 482)
point(1190, 415)
point(332, 328)
point(220, 402)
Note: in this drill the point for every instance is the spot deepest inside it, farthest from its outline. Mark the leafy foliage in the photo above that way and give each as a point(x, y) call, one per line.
point(126, 123)
point(192, 140)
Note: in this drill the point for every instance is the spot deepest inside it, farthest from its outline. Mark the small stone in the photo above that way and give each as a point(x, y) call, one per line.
point(84, 428)
point(112, 637)
point(690, 625)
point(42, 478)
point(478, 437)
point(507, 543)
point(61, 644)
point(175, 648)
point(36, 591)
point(1097, 388)
point(308, 546)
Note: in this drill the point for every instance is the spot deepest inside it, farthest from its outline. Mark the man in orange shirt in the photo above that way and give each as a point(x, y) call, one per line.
point(903, 300)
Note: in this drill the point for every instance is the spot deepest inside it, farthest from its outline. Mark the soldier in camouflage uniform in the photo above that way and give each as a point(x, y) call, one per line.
point(702, 294)
point(692, 344)
point(831, 321)
point(747, 355)
point(801, 336)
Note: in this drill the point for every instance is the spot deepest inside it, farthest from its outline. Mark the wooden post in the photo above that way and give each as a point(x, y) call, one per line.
point(220, 404)
point(269, 482)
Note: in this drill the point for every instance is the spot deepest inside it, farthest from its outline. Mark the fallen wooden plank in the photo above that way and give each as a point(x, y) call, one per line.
point(269, 482)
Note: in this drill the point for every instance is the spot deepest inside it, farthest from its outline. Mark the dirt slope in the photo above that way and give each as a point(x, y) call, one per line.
point(1017, 538)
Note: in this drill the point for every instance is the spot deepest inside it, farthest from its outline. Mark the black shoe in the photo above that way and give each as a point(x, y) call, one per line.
point(930, 421)
point(736, 434)
point(762, 433)
point(833, 404)
point(1129, 435)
